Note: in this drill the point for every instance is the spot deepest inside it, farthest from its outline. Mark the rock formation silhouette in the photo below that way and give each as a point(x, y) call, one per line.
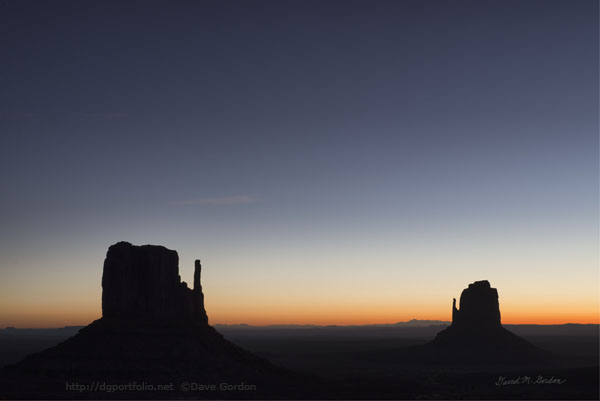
point(144, 282)
point(153, 329)
point(478, 307)
point(476, 332)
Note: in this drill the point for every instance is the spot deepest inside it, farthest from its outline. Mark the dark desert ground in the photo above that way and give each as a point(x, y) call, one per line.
point(356, 359)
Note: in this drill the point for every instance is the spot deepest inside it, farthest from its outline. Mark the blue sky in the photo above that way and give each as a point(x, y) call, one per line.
point(405, 143)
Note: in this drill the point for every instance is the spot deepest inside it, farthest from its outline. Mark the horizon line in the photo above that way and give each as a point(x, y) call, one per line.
point(448, 322)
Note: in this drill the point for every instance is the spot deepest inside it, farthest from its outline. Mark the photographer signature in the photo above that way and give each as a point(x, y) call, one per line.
point(504, 381)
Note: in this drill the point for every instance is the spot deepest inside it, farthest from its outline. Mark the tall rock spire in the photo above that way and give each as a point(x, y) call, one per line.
point(199, 310)
point(197, 271)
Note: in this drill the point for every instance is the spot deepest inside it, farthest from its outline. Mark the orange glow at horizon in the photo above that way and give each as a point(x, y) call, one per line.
point(48, 317)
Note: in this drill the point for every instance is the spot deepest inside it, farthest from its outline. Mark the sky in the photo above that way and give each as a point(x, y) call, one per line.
point(330, 162)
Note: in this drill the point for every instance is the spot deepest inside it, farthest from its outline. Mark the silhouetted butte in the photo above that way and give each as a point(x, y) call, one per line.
point(476, 333)
point(154, 329)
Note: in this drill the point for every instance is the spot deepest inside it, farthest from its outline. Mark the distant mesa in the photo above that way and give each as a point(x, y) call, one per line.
point(476, 332)
point(479, 307)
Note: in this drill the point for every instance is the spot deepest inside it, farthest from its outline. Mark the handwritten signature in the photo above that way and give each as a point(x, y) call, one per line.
point(504, 381)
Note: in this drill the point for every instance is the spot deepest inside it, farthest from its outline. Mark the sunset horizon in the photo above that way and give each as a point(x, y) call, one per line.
point(265, 323)
point(307, 312)
point(188, 186)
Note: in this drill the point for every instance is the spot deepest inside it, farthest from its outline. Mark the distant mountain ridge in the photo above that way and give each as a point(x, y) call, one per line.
point(57, 331)
point(521, 329)
point(410, 323)
point(412, 328)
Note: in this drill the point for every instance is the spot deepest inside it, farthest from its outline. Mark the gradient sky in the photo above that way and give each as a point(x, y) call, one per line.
point(330, 162)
